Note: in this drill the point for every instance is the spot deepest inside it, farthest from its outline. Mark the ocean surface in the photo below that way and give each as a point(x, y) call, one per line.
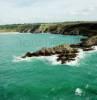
point(37, 79)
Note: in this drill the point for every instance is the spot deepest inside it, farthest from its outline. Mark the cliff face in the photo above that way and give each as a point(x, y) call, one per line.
point(87, 29)
point(67, 28)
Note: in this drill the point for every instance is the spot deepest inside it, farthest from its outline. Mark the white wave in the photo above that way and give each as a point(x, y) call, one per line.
point(79, 56)
point(78, 92)
point(50, 59)
point(95, 48)
point(19, 59)
point(88, 53)
point(53, 59)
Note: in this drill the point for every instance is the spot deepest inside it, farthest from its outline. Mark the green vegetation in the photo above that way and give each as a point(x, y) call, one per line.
point(57, 28)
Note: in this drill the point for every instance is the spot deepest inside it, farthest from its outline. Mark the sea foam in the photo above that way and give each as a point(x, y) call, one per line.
point(78, 92)
point(79, 56)
point(95, 48)
point(49, 59)
point(19, 59)
point(53, 59)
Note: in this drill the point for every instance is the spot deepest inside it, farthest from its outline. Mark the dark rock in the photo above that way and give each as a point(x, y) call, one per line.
point(87, 49)
point(64, 52)
point(28, 54)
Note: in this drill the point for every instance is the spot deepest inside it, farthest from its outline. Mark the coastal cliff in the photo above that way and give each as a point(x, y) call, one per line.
point(74, 28)
point(65, 28)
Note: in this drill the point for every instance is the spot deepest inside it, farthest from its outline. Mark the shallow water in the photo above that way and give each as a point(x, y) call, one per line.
point(38, 80)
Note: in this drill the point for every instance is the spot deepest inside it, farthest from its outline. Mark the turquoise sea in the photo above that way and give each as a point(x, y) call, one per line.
point(38, 80)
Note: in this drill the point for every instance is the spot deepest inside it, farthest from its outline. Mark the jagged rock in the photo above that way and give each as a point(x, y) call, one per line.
point(64, 52)
point(87, 49)
point(28, 54)
point(91, 41)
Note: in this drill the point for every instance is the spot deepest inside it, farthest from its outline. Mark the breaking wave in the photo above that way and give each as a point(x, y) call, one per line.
point(53, 59)
point(50, 59)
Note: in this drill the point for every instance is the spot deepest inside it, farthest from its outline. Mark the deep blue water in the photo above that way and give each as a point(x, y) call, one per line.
point(38, 80)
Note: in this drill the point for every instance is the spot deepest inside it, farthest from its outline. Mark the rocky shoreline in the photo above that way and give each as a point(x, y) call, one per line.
point(65, 52)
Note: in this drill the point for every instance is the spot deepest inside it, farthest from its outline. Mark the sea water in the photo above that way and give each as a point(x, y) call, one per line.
point(36, 79)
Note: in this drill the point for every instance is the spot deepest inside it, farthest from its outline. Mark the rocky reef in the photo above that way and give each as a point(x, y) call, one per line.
point(64, 53)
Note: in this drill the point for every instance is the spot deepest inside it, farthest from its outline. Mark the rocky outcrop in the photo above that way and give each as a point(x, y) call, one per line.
point(64, 53)
point(87, 43)
point(91, 41)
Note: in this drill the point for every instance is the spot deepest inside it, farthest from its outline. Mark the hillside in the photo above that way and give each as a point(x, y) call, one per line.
point(72, 28)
